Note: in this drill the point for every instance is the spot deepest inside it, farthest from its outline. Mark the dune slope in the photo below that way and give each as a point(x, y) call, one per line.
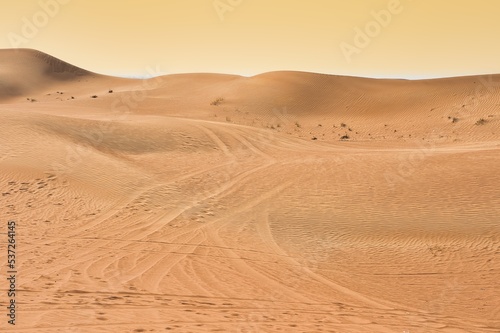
point(284, 202)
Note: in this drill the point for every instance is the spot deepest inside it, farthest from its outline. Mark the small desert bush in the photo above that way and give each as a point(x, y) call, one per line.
point(217, 101)
point(481, 121)
point(344, 137)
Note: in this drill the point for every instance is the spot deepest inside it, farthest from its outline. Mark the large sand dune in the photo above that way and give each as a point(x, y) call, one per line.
point(284, 202)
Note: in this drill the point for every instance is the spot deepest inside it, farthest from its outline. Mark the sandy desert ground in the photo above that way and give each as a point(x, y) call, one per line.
point(283, 202)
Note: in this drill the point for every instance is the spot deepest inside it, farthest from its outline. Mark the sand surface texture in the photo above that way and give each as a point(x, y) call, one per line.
point(283, 202)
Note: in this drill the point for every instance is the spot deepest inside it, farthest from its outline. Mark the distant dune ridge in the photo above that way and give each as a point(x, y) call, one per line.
point(24, 71)
point(38, 62)
point(286, 201)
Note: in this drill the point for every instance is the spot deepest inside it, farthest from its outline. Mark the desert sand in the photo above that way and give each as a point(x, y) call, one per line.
point(283, 202)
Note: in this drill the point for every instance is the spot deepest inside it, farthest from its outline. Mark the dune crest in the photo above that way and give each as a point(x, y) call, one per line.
point(26, 71)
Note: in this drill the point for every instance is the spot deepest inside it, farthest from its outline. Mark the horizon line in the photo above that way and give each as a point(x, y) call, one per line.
point(139, 76)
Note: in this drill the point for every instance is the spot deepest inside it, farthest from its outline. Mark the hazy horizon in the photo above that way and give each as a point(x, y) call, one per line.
point(150, 69)
point(383, 39)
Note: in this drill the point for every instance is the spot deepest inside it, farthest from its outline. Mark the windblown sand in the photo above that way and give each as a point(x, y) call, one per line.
point(283, 202)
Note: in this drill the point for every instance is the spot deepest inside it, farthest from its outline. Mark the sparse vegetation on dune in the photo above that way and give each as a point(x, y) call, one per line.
point(481, 121)
point(217, 101)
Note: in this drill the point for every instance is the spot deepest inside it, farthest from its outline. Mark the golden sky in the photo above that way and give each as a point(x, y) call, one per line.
point(372, 38)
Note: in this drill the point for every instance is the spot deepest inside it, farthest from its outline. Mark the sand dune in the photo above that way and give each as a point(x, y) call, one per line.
point(28, 71)
point(283, 202)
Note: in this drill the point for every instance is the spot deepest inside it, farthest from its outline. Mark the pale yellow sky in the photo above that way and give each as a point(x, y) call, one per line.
point(375, 38)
